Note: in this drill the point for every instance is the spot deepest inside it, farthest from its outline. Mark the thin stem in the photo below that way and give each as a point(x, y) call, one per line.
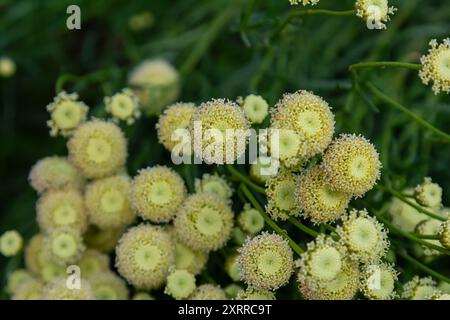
point(245, 179)
point(385, 64)
point(406, 111)
point(425, 268)
point(426, 236)
point(269, 221)
point(88, 78)
point(302, 227)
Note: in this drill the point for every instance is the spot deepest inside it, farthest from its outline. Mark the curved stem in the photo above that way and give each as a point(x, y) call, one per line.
point(245, 179)
point(302, 227)
point(385, 64)
point(425, 268)
point(90, 77)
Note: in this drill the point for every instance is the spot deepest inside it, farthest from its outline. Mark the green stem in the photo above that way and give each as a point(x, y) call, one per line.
point(303, 228)
point(426, 236)
point(269, 221)
point(88, 78)
point(425, 268)
point(385, 64)
point(406, 111)
point(245, 179)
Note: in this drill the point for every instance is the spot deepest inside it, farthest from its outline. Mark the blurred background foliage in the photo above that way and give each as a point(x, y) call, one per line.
point(223, 48)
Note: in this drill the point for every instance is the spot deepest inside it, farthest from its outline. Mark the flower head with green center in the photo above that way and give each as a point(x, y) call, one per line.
point(50, 271)
point(53, 173)
point(93, 262)
point(429, 227)
point(375, 12)
point(103, 240)
point(175, 117)
point(254, 294)
point(7, 67)
point(214, 184)
point(250, 220)
point(351, 165)
point(108, 286)
point(436, 66)
point(378, 281)
point(157, 193)
point(180, 284)
point(316, 200)
point(266, 261)
point(66, 114)
point(364, 237)
point(144, 255)
point(11, 243)
point(280, 195)
point(123, 106)
point(428, 194)
point(232, 267)
point(444, 234)
point(255, 107)
point(64, 245)
point(208, 292)
point(304, 2)
point(62, 207)
point(98, 149)
point(224, 131)
point(307, 125)
point(232, 290)
point(107, 202)
point(438, 295)
point(29, 290)
point(204, 222)
point(58, 290)
point(418, 288)
point(261, 169)
point(34, 254)
point(156, 83)
point(17, 278)
point(404, 216)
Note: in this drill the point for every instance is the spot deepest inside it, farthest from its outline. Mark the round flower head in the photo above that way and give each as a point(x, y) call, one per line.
point(254, 294)
point(232, 267)
point(64, 245)
point(29, 290)
point(123, 106)
point(98, 149)
point(107, 202)
point(176, 116)
point(66, 114)
point(365, 238)
point(191, 260)
point(375, 12)
point(378, 281)
point(250, 220)
point(444, 287)
point(418, 288)
point(11, 243)
point(103, 240)
point(142, 296)
point(156, 83)
point(50, 271)
point(343, 287)
point(61, 208)
point(208, 292)
point(34, 254)
point(304, 2)
point(16, 279)
point(224, 131)
point(351, 165)
point(214, 184)
point(58, 290)
point(143, 256)
point(439, 295)
point(7, 67)
point(53, 173)
point(266, 261)
point(238, 236)
point(156, 193)
point(204, 222)
point(403, 215)
point(435, 66)
point(307, 122)
point(93, 262)
point(256, 108)
point(108, 286)
point(263, 169)
point(429, 227)
point(232, 290)
point(444, 234)
point(316, 200)
point(428, 194)
point(180, 284)
point(280, 195)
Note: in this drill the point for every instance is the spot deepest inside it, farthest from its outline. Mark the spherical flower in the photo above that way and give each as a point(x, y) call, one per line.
point(66, 114)
point(11, 243)
point(351, 165)
point(142, 296)
point(316, 200)
point(208, 292)
point(438, 295)
point(418, 288)
point(107, 202)
point(375, 12)
point(204, 222)
point(175, 117)
point(93, 262)
point(51, 271)
point(250, 220)
point(108, 286)
point(98, 149)
point(232, 290)
point(232, 267)
point(180, 284)
point(403, 215)
point(444, 286)
point(54, 173)
point(58, 290)
point(254, 294)
point(7, 67)
point(17, 278)
point(428, 194)
point(103, 240)
point(64, 245)
point(144, 255)
point(256, 108)
point(29, 290)
point(215, 185)
point(306, 123)
point(224, 131)
point(429, 227)
point(304, 2)
point(444, 234)
point(261, 169)
point(156, 193)
point(435, 66)
point(188, 259)
point(34, 254)
point(280, 195)
point(156, 83)
point(62, 207)
point(378, 281)
point(266, 261)
point(123, 106)
point(364, 237)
